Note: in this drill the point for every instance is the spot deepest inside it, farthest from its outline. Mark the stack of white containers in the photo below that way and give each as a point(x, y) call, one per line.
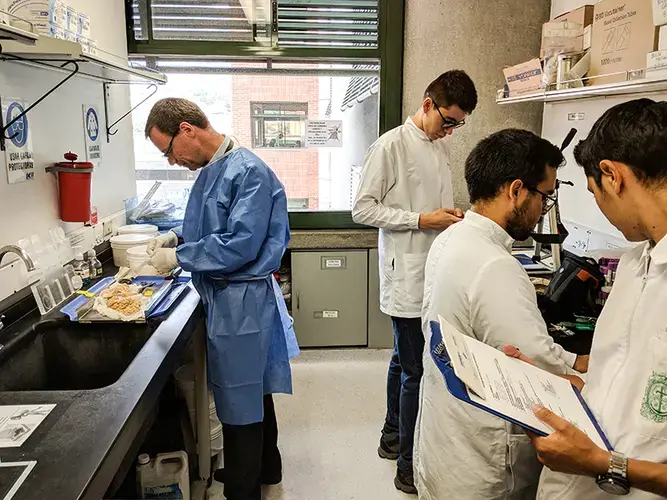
point(185, 381)
point(52, 18)
point(131, 236)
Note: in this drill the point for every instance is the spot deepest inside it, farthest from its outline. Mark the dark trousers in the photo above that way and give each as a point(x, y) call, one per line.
point(405, 374)
point(251, 455)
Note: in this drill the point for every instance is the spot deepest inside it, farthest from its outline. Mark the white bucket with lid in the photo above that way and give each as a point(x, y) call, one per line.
point(137, 258)
point(123, 242)
point(139, 229)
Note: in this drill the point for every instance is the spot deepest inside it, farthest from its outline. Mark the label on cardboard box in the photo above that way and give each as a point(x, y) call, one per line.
point(659, 12)
point(524, 78)
point(656, 64)
point(623, 33)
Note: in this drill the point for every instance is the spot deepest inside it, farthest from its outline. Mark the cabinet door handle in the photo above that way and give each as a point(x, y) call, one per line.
point(298, 300)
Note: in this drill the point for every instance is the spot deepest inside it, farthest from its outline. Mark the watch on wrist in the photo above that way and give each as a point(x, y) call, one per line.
point(615, 480)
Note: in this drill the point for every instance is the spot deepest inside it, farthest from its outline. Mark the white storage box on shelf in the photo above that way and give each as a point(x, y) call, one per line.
point(123, 242)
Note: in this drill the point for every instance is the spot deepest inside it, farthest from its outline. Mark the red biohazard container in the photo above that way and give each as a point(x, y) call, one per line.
point(74, 179)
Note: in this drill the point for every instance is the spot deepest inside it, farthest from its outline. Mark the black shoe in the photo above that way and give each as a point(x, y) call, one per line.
point(405, 482)
point(389, 446)
point(267, 479)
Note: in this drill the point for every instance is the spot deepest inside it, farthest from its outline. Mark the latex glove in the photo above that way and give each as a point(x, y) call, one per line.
point(164, 260)
point(167, 240)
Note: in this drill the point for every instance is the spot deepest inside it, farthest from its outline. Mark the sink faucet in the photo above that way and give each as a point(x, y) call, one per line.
point(29, 264)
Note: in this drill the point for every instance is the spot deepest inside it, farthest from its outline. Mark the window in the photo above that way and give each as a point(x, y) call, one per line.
point(267, 112)
point(278, 124)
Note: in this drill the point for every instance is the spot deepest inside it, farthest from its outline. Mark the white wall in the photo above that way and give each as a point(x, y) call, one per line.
point(56, 126)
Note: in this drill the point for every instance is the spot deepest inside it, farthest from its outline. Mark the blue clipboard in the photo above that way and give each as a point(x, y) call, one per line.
point(458, 389)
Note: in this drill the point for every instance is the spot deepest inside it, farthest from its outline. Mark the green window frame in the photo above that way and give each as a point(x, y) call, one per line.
point(388, 51)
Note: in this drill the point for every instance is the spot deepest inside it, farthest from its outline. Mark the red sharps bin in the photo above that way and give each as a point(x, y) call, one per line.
point(74, 178)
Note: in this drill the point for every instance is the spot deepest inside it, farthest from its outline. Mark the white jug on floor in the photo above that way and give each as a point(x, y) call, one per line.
point(166, 476)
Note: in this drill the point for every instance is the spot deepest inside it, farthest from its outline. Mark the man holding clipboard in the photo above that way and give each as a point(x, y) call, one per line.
point(625, 161)
point(474, 282)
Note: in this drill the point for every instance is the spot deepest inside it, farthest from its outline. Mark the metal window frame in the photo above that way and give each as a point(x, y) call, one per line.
point(389, 52)
point(254, 118)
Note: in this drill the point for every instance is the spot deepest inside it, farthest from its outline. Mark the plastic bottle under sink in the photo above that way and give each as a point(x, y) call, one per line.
point(166, 476)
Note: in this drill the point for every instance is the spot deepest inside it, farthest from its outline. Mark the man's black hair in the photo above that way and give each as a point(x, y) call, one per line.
point(634, 133)
point(453, 88)
point(506, 156)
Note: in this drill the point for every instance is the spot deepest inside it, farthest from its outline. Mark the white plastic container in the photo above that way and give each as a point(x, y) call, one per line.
point(123, 242)
point(139, 229)
point(166, 476)
point(185, 381)
point(137, 258)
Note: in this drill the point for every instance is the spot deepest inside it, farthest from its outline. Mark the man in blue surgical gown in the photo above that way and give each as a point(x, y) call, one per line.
point(233, 238)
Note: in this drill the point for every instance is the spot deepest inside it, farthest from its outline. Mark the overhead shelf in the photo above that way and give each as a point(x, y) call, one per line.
point(8, 32)
point(53, 52)
point(639, 86)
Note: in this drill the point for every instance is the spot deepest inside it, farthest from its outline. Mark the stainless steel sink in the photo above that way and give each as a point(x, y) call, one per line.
point(60, 356)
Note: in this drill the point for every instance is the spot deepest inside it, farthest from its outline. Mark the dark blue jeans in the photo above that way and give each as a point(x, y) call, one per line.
point(405, 374)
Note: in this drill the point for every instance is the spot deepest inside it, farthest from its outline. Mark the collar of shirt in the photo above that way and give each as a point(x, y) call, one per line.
point(490, 228)
point(222, 150)
point(656, 252)
point(416, 130)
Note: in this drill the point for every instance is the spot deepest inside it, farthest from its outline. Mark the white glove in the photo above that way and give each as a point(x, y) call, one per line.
point(167, 240)
point(164, 260)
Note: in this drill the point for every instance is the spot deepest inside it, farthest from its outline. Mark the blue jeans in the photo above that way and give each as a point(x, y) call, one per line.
point(405, 374)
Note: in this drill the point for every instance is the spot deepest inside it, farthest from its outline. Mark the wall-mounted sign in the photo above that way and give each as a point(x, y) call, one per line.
point(324, 133)
point(18, 147)
point(92, 133)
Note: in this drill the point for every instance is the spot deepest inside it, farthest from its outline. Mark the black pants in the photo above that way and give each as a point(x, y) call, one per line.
point(251, 456)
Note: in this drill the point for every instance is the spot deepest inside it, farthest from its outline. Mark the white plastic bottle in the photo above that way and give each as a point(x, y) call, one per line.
point(166, 476)
point(81, 268)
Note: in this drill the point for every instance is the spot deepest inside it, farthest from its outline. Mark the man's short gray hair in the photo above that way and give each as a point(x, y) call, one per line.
point(168, 114)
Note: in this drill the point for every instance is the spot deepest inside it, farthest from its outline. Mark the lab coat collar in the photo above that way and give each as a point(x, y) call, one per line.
point(490, 228)
point(416, 130)
point(657, 252)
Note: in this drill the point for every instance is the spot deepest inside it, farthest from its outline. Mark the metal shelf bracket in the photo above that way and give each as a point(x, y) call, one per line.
point(5, 127)
point(109, 126)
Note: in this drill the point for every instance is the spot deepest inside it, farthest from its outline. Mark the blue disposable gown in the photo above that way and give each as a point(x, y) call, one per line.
point(235, 232)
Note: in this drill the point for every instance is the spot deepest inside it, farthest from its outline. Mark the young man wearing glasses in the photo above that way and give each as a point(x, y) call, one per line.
point(474, 282)
point(406, 191)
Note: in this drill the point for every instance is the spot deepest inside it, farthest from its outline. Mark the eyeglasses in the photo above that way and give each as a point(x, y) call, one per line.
point(171, 144)
point(547, 201)
point(447, 123)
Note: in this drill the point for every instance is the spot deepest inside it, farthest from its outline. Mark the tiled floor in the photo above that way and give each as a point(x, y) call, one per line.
point(329, 429)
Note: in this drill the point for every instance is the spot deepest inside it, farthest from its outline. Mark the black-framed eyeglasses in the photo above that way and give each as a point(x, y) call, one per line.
point(548, 201)
point(447, 123)
point(171, 144)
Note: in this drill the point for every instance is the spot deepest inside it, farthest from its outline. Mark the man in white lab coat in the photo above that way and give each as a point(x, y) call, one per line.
point(625, 160)
point(475, 283)
point(406, 191)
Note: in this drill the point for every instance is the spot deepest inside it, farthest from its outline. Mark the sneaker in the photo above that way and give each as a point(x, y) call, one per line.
point(389, 446)
point(405, 482)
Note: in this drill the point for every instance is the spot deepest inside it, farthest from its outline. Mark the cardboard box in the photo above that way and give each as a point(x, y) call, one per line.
point(662, 38)
point(583, 15)
point(659, 12)
point(524, 78)
point(656, 64)
point(623, 33)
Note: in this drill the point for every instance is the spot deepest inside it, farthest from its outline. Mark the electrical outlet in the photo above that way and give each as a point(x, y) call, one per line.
point(107, 228)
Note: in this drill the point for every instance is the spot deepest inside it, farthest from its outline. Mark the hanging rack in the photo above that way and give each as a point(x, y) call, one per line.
point(106, 108)
point(11, 57)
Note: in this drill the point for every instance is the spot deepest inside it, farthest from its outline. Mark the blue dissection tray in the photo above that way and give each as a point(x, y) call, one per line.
point(153, 310)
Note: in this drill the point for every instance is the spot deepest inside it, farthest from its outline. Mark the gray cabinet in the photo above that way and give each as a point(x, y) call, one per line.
point(330, 297)
point(380, 331)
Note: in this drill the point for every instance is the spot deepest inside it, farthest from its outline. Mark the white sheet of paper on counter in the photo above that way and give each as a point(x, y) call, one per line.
point(18, 422)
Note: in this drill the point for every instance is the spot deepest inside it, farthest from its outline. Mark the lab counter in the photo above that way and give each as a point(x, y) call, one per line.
point(83, 442)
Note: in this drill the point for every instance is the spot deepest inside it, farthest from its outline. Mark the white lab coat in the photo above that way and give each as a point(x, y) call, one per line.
point(404, 174)
point(626, 386)
point(473, 281)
